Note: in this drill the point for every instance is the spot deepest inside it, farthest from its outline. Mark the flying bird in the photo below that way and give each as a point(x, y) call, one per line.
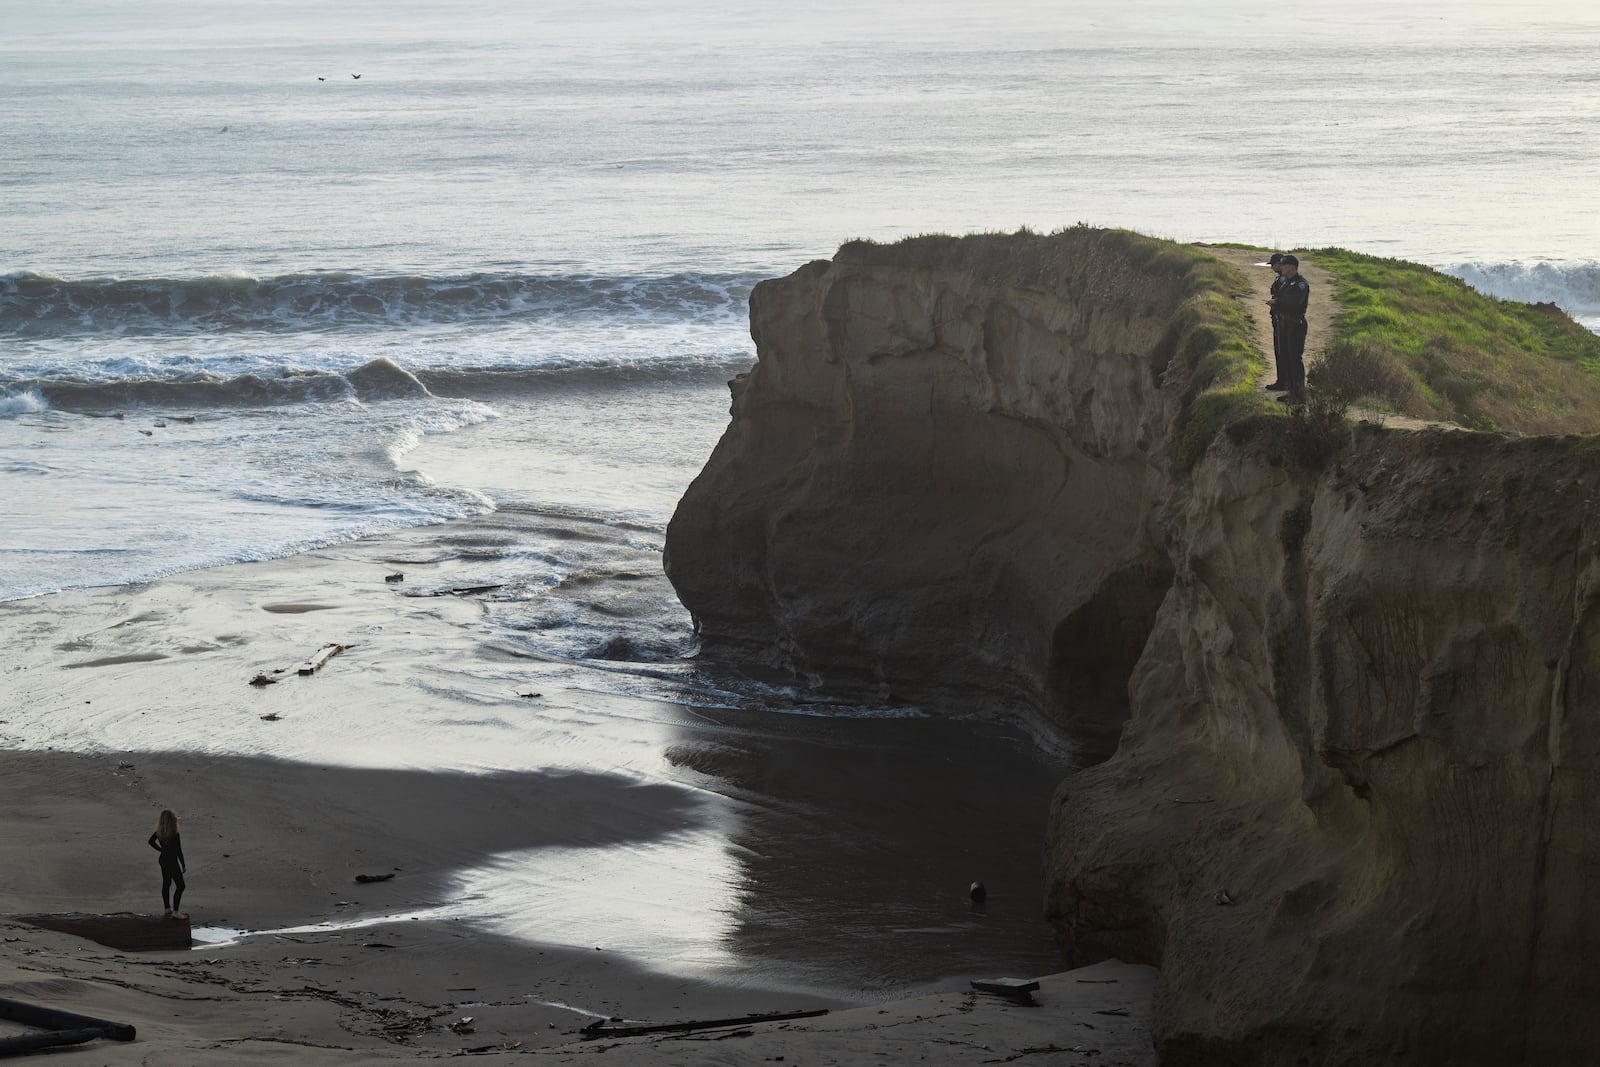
point(355, 75)
point(320, 78)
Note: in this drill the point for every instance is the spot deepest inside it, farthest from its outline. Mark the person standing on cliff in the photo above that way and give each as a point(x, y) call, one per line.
point(1289, 315)
point(1276, 263)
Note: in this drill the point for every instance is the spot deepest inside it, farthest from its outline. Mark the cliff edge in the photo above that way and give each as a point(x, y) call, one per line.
point(1331, 686)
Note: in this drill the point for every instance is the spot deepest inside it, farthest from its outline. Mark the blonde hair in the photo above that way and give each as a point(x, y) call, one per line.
point(167, 825)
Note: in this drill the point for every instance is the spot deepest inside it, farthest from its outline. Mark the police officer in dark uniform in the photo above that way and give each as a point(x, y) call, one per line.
point(1276, 263)
point(1289, 313)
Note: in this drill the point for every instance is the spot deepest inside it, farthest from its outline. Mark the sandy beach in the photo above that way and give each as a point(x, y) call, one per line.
point(568, 840)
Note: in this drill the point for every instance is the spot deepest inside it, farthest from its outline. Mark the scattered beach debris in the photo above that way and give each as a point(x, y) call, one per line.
point(158, 424)
point(124, 765)
point(376, 944)
point(1019, 990)
point(530, 696)
point(1112, 1011)
point(263, 679)
point(318, 658)
point(480, 1049)
point(365, 878)
point(148, 433)
point(1097, 981)
point(271, 716)
point(464, 590)
point(1221, 897)
point(463, 1025)
point(395, 577)
point(58, 1028)
point(603, 1028)
point(977, 893)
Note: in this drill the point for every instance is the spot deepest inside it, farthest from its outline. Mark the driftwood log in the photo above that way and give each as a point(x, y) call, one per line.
point(56, 1028)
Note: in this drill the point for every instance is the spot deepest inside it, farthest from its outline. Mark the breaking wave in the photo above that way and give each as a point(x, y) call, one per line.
point(25, 402)
point(379, 379)
point(35, 305)
point(1573, 287)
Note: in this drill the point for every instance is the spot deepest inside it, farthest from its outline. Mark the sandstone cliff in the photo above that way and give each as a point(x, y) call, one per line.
point(1351, 670)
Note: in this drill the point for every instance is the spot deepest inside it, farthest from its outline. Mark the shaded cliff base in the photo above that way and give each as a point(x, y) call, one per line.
point(1364, 836)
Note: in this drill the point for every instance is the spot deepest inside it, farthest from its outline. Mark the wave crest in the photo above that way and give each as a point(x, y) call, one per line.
point(35, 305)
point(381, 379)
point(1574, 287)
point(378, 379)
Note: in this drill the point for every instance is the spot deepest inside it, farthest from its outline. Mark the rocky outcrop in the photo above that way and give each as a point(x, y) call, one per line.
point(1353, 670)
point(941, 484)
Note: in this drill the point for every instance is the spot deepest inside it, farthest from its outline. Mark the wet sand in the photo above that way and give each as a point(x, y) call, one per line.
point(725, 849)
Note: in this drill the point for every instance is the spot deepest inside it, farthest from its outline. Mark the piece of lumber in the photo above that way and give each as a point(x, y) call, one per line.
point(318, 658)
point(1018, 989)
point(598, 1028)
point(122, 930)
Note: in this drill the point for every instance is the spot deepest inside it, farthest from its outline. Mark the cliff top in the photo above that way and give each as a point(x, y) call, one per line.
point(1405, 339)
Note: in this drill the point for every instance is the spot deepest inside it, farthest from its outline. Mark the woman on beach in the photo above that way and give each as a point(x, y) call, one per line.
point(166, 841)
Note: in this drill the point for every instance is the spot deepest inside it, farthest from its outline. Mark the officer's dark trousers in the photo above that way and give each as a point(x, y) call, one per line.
point(1291, 336)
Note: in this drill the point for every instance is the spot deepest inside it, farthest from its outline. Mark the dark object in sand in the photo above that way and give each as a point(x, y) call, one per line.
point(124, 929)
point(271, 716)
point(465, 590)
point(262, 679)
point(395, 577)
point(599, 1027)
point(318, 658)
point(365, 878)
point(977, 893)
point(1017, 989)
point(60, 1028)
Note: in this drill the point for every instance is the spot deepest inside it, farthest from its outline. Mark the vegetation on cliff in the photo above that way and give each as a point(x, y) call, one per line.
point(1413, 340)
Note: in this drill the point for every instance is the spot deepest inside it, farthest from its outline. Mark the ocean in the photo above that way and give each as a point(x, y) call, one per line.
point(277, 277)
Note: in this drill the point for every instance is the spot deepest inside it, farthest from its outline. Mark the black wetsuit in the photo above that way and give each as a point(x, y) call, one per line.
point(1289, 313)
point(172, 868)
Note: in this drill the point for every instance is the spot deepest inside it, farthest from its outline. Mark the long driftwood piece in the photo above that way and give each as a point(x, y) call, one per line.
point(58, 1028)
point(598, 1028)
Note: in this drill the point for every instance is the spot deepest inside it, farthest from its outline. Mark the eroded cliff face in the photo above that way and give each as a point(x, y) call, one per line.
point(1354, 670)
point(943, 486)
point(1367, 714)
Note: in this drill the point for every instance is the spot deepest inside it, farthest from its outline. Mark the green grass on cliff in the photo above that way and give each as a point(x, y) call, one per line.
point(1415, 341)
point(1209, 330)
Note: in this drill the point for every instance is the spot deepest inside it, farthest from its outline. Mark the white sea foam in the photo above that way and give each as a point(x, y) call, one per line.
point(26, 402)
point(1574, 287)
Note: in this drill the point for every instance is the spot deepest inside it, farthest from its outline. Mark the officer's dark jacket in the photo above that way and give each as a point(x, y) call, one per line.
point(1293, 298)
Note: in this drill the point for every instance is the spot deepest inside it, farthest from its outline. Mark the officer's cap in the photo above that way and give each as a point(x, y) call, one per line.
point(1291, 260)
point(1275, 259)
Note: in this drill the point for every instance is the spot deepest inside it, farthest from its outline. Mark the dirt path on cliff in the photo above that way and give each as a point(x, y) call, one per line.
point(1319, 322)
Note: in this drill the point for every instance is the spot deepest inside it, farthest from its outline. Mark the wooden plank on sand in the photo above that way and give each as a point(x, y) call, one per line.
point(1018, 989)
point(598, 1028)
point(321, 656)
